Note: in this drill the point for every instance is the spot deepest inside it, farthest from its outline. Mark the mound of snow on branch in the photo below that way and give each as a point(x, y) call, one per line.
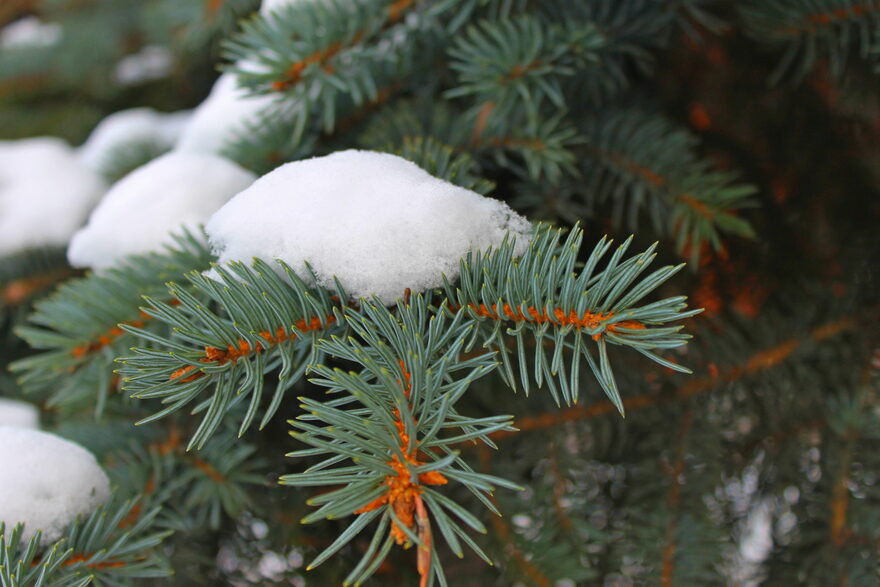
point(127, 127)
point(29, 33)
point(227, 110)
point(46, 193)
point(46, 482)
point(19, 414)
point(150, 63)
point(270, 6)
point(377, 222)
point(143, 209)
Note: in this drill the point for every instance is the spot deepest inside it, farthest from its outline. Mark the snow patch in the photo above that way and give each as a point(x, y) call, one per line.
point(30, 32)
point(226, 111)
point(18, 414)
point(376, 221)
point(150, 63)
point(126, 127)
point(143, 209)
point(270, 6)
point(46, 193)
point(46, 482)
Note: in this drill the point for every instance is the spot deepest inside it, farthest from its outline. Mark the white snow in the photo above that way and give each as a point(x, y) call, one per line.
point(150, 63)
point(376, 221)
point(19, 414)
point(46, 193)
point(144, 208)
point(46, 482)
point(131, 126)
point(30, 32)
point(225, 112)
point(269, 6)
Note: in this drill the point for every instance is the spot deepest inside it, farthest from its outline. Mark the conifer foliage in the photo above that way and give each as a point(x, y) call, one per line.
point(650, 360)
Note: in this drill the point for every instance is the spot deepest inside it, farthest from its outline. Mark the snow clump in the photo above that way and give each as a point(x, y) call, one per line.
point(30, 33)
point(143, 209)
point(150, 63)
point(270, 6)
point(46, 482)
point(19, 414)
point(127, 127)
point(226, 111)
point(46, 193)
point(376, 221)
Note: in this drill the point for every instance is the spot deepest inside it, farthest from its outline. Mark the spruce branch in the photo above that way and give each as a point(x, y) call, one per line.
point(643, 161)
point(79, 328)
point(811, 30)
point(207, 487)
point(389, 434)
point(101, 548)
point(519, 63)
point(542, 299)
point(290, 57)
point(24, 278)
point(263, 323)
point(758, 362)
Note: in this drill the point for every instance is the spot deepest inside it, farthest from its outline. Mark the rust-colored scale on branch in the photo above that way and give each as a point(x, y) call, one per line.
point(520, 70)
point(534, 144)
point(212, 7)
point(655, 179)
point(208, 469)
point(232, 353)
point(294, 73)
point(628, 164)
point(820, 19)
point(404, 493)
point(81, 558)
point(481, 121)
point(20, 290)
point(111, 335)
point(398, 9)
point(697, 206)
point(559, 317)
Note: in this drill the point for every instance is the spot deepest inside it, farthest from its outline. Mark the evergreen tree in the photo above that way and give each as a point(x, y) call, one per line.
point(669, 377)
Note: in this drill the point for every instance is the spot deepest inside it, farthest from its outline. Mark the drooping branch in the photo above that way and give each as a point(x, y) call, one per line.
point(760, 361)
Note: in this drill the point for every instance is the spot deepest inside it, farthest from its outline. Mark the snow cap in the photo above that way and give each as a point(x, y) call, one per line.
point(46, 482)
point(131, 126)
point(376, 221)
point(269, 6)
point(216, 120)
point(143, 209)
point(150, 63)
point(19, 414)
point(29, 33)
point(46, 193)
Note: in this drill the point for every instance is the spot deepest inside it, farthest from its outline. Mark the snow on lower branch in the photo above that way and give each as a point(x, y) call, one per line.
point(143, 209)
point(377, 222)
point(132, 126)
point(226, 111)
point(18, 414)
point(46, 482)
point(46, 193)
